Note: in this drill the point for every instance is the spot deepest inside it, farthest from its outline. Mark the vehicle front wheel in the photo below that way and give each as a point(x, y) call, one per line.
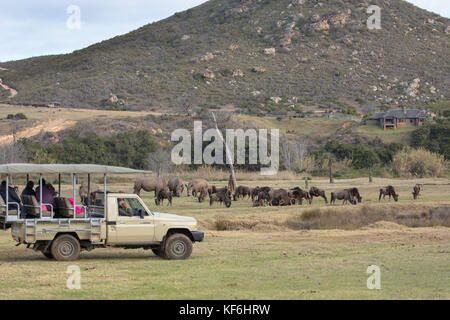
point(65, 248)
point(178, 247)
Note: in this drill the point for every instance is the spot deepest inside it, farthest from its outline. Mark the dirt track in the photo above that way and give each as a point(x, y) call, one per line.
point(49, 126)
point(12, 92)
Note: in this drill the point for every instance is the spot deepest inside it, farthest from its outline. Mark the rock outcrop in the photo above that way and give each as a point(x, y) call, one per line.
point(204, 58)
point(269, 51)
point(259, 69)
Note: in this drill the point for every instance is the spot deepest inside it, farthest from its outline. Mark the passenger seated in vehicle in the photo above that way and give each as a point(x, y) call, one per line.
point(13, 198)
point(48, 194)
point(29, 189)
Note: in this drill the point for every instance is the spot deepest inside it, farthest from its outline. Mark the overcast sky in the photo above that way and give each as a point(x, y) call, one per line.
point(34, 28)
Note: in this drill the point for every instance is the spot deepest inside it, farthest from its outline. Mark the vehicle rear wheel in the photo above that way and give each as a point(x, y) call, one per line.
point(178, 247)
point(65, 248)
point(47, 254)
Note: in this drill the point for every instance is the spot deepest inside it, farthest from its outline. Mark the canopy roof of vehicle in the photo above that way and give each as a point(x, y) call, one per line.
point(23, 168)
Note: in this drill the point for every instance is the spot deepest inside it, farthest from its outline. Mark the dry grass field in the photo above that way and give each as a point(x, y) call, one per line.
point(43, 113)
point(264, 253)
point(54, 119)
point(295, 126)
point(400, 135)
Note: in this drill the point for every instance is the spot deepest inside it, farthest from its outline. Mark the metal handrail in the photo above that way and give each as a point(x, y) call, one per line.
point(92, 206)
point(7, 211)
point(83, 207)
point(38, 207)
point(51, 207)
point(89, 208)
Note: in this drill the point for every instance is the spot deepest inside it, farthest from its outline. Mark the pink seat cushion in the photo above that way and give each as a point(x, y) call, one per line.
point(77, 209)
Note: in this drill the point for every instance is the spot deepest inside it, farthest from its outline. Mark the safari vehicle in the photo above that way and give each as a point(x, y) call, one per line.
point(110, 220)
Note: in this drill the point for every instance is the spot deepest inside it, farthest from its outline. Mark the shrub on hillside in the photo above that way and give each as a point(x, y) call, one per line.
point(17, 116)
point(127, 149)
point(418, 163)
point(434, 137)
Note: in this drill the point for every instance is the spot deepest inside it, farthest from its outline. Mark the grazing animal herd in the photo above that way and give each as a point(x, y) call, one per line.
point(260, 196)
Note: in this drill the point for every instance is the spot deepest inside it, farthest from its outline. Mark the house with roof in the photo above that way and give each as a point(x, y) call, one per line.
point(398, 118)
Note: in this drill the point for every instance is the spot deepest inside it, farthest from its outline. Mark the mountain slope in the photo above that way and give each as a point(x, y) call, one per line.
point(260, 55)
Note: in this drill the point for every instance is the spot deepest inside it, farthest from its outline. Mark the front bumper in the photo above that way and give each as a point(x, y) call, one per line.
point(198, 236)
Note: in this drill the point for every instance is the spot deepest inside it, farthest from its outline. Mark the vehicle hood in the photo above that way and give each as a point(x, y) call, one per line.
point(173, 217)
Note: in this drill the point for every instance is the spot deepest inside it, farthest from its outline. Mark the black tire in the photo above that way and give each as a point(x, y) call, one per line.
point(177, 247)
point(48, 254)
point(65, 248)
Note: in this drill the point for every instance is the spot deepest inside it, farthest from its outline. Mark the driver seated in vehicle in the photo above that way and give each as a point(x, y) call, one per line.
point(124, 208)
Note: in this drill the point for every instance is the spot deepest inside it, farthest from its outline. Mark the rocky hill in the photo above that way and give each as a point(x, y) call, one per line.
point(257, 55)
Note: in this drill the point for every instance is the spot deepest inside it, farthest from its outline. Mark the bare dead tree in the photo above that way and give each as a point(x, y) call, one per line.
point(286, 153)
point(232, 180)
point(13, 152)
point(159, 161)
point(293, 153)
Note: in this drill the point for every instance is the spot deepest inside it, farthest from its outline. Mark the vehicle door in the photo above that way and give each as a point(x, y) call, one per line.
point(135, 223)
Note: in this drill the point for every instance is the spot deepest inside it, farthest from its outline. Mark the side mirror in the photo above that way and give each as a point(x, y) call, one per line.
point(142, 214)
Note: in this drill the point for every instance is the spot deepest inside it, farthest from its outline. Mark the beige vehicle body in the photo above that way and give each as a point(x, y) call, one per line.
point(119, 220)
point(148, 230)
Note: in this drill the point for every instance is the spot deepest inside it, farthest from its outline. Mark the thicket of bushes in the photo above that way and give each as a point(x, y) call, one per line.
point(361, 156)
point(128, 149)
point(418, 163)
point(434, 137)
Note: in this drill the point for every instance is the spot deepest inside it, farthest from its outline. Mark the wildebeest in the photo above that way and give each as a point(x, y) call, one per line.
point(255, 192)
point(298, 194)
point(416, 190)
point(388, 191)
point(196, 187)
point(263, 193)
point(242, 192)
point(176, 186)
point(257, 203)
point(262, 199)
point(280, 197)
point(316, 192)
point(150, 184)
point(84, 192)
point(355, 194)
point(163, 194)
point(345, 195)
point(214, 189)
point(223, 196)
